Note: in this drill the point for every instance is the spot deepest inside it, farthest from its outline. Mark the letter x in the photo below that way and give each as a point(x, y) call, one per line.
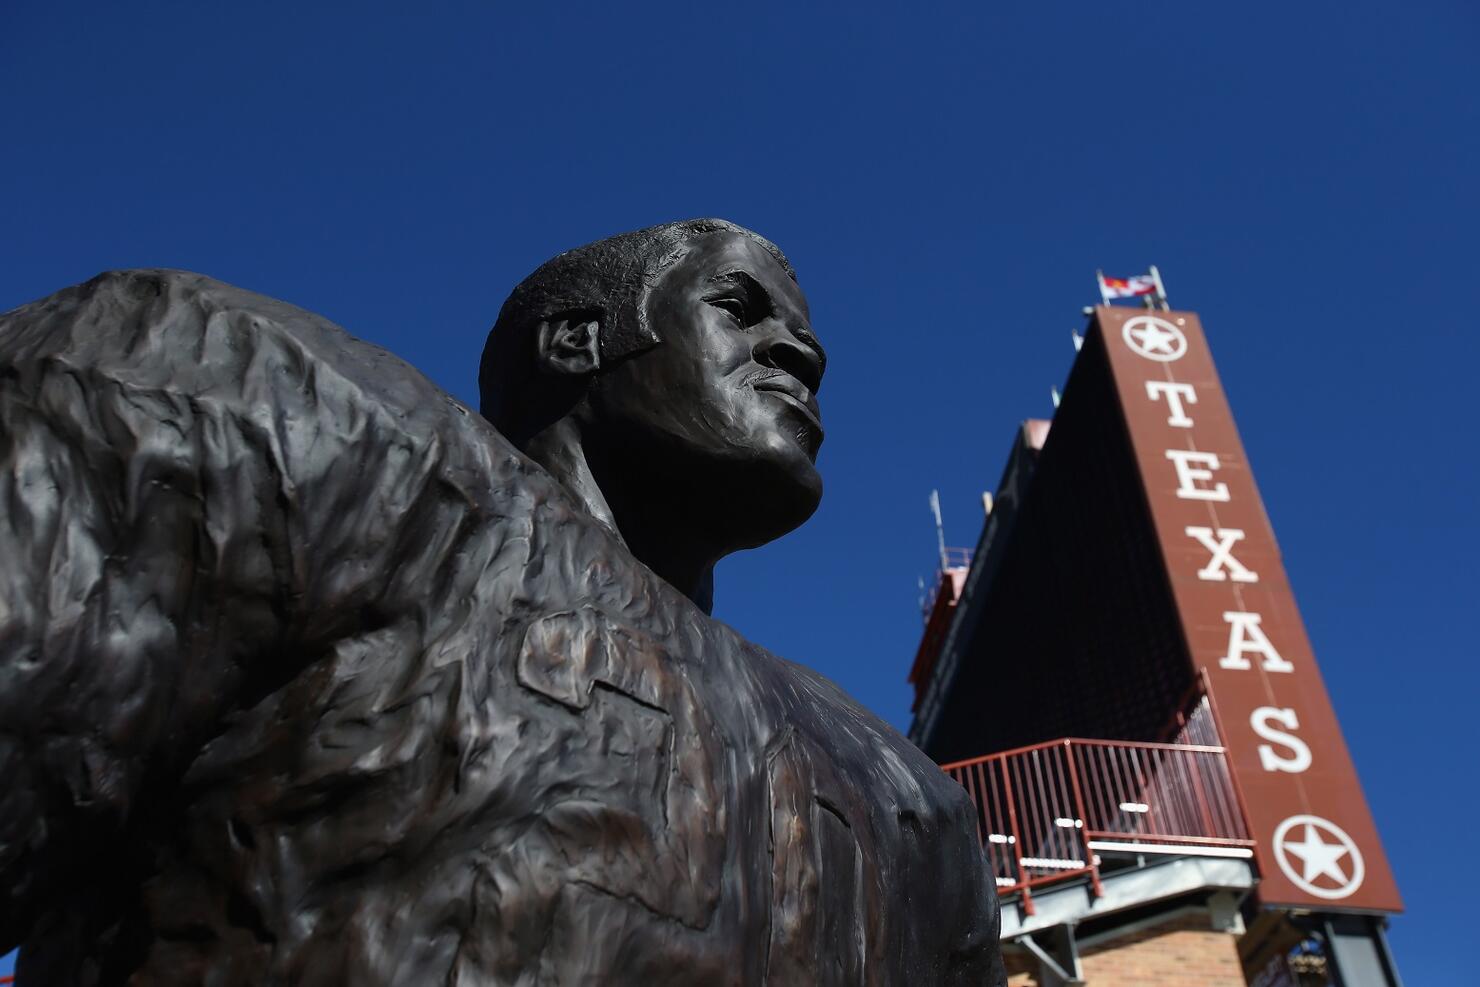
point(1220, 543)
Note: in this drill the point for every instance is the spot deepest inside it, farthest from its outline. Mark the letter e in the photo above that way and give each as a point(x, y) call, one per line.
point(1194, 469)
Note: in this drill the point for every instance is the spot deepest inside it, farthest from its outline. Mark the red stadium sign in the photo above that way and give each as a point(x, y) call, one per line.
point(1316, 842)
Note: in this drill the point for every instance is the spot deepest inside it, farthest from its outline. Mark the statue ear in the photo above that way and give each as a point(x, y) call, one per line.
point(570, 344)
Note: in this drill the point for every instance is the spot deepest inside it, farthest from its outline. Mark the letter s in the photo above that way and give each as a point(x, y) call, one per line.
point(1268, 759)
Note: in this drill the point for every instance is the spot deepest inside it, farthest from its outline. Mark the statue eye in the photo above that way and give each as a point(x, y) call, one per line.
point(734, 307)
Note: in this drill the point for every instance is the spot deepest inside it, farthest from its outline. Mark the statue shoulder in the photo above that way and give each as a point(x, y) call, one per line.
point(194, 335)
point(205, 489)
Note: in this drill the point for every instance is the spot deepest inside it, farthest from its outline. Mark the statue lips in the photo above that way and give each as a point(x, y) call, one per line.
point(792, 391)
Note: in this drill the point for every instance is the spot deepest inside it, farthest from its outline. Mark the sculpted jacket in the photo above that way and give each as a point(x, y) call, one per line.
point(308, 677)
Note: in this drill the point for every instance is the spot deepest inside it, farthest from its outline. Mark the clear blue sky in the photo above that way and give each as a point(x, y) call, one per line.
point(946, 179)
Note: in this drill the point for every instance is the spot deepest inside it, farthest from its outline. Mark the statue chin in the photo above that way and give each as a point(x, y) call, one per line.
point(776, 496)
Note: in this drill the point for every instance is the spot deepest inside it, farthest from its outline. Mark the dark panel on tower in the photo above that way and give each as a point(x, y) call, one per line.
point(1074, 632)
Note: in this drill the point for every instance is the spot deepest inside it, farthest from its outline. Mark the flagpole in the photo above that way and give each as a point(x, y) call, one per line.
point(1161, 291)
point(1100, 281)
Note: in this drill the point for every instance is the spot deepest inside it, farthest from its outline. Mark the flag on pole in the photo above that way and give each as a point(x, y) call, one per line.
point(1131, 287)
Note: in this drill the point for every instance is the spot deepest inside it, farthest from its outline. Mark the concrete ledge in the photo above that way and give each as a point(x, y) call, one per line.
point(1075, 902)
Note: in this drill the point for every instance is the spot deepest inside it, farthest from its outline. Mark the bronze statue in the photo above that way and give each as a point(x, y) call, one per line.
point(308, 675)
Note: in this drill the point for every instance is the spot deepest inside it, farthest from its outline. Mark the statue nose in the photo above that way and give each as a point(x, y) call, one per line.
point(782, 350)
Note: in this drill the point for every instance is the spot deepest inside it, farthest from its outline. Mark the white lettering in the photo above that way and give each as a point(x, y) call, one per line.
point(1174, 393)
point(1220, 543)
point(1194, 468)
point(1245, 637)
point(1299, 759)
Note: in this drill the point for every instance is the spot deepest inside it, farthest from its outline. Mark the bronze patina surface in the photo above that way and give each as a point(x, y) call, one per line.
point(309, 675)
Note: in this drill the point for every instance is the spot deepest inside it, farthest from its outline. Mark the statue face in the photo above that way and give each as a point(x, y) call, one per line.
point(729, 395)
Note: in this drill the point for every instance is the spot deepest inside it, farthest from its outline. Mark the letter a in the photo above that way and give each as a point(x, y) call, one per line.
point(1245, 637)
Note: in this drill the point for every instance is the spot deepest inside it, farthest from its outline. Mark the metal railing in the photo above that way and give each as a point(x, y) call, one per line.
point(1049, 812)
point(956, 560)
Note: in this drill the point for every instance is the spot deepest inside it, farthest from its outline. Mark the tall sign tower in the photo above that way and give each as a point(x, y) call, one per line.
point(1315, 842)
point(1120, 678)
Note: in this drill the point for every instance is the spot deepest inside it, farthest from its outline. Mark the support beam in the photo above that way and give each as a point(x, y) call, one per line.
point(1061, 970)
point(1357, 952)
point(1072, 902)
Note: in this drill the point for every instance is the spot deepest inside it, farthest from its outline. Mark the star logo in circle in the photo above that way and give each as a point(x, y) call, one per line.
point(1153, 338)
point(1318, 857)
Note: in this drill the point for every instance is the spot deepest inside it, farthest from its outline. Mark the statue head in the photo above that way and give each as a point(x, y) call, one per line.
point(675, 369)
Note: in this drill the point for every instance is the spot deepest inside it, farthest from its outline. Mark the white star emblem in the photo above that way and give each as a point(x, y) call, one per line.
point(1322, 850)
point(1320, 858)
point(1153, 338)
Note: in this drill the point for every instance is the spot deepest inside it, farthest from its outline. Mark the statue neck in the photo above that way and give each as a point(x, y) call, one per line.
point(644, 510)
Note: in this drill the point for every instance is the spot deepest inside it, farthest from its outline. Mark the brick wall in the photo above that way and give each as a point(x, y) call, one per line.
point(1182, 952)
point(1021, 970)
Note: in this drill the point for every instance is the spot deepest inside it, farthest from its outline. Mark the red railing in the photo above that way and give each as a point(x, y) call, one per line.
point(1049, 812)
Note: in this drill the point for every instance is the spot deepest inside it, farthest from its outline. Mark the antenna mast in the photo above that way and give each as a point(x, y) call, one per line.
point(940, 528)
